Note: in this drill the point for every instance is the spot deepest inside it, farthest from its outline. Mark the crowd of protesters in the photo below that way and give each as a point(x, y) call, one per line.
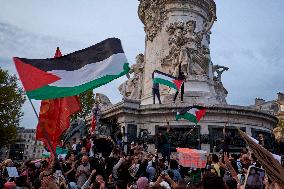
point(131, 168)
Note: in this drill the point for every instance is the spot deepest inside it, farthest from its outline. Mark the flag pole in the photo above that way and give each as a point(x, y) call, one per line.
point(49, 143)
point(199, 136)
point(44, 131)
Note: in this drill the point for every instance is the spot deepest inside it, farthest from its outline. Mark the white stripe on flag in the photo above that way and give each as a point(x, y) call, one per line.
point(161, 76)
point(110, 66)
point(193, 111)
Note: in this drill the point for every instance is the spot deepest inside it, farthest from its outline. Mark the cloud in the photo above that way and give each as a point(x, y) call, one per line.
point(250, 42)
point(245, 38)
point(20, 43)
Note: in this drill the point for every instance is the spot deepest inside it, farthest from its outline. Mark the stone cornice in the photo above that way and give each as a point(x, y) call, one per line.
point(204, 4)
point(147, 4)
point(136, 109)
point(153, 13)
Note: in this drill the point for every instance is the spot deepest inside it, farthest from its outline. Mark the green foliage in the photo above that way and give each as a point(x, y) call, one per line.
point(279, 130)
point(87, 101)
point(11, 101)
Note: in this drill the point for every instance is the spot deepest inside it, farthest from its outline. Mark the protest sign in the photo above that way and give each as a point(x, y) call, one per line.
point(12, 172)
point(192, 157)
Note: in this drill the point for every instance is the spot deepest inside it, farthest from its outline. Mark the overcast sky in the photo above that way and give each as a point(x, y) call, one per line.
point(248, 38)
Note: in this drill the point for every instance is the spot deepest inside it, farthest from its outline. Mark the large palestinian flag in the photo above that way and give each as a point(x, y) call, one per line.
point(74, 73)
point(168, 80)
point(192, 113)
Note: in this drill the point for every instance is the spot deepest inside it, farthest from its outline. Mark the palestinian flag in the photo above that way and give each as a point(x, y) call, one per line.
point(74, 73)
point(61, 153)
point(54, 116)
point(192, 113)
point(168, 80)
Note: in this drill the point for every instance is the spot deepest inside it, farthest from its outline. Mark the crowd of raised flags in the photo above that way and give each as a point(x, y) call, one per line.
point(82, 166)
point(57, 81)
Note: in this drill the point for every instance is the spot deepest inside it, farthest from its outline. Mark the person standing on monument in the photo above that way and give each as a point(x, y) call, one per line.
point(166, 144)
point(156, 90)
point(226, 140)
point(181, 76)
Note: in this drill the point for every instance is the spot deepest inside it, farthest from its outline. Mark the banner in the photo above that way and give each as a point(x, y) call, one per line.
point(192, 157)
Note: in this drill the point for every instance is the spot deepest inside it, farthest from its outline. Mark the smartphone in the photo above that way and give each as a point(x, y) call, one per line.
point(58, 174)
point(254, 178)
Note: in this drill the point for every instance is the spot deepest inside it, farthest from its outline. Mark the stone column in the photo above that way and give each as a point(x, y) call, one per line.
point(167, 24)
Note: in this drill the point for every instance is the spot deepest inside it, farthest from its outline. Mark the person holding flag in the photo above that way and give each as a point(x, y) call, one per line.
point(156, 91)
point(226, 140)
point(193, 114)
point(181, 77)
point(166, 80)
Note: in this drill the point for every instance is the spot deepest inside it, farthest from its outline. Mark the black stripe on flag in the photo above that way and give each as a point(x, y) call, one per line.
point(184, 110)
point(79, 59)
point(162, 73)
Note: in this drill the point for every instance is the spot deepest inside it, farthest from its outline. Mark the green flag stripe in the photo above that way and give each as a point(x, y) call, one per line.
point(188, 117)
point(165, 82)
point(50, 92)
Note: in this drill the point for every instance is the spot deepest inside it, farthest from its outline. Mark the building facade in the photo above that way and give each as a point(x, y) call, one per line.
point(274, 107)
point(26, 147)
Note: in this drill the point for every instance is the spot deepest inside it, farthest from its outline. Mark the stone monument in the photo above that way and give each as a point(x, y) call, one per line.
point(178, 33)
point(178, 36)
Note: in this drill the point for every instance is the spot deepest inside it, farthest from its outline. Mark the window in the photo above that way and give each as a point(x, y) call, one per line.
point(27, 146)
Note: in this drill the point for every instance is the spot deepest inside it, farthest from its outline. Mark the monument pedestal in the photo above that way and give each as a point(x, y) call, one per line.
point(153, 119)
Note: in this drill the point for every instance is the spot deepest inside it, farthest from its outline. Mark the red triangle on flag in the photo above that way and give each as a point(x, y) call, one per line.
point(33, 78)
point(54, 116)
point(178, 83)
point(200, 113)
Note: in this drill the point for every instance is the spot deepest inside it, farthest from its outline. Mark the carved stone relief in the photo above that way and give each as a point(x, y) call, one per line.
point(152, 14)
point(186, 50)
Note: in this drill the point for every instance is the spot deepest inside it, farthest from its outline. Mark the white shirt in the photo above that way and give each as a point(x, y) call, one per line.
point(74, 147)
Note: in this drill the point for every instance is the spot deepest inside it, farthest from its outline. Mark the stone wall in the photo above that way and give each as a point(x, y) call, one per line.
point(151, 117)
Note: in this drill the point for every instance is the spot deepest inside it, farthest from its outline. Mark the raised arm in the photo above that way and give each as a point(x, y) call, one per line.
point(224, 129)
point(230, 167)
